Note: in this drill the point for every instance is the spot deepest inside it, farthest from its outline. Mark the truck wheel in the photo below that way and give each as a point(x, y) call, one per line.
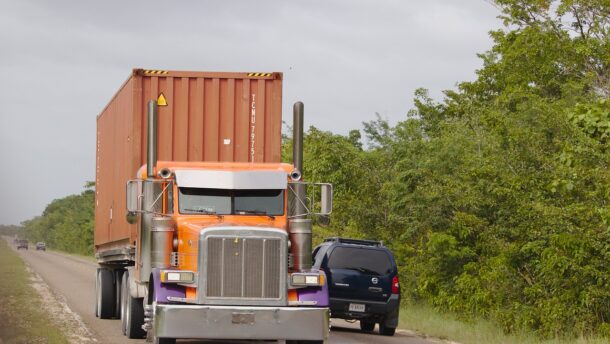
point(386, 331)
point(124, 294)
point(104, 294)
point(367, 326)
point(134, 312)
point(118, 278)
point(151, 309)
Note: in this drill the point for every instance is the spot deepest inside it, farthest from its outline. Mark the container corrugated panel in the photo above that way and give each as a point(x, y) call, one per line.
point(210, 116)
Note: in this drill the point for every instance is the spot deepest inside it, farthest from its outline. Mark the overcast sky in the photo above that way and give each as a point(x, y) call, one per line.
point(61, 61)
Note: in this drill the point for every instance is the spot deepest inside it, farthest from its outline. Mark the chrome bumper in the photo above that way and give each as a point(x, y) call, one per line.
point(233, 322)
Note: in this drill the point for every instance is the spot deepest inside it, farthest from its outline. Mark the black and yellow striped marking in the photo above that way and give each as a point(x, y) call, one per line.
point(156, 72)
point(260, 75)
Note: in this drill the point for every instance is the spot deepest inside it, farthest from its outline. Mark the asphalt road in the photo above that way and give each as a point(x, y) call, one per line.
point(73, 280)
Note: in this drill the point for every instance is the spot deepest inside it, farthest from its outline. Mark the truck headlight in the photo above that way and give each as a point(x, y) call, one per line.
point(301, 279)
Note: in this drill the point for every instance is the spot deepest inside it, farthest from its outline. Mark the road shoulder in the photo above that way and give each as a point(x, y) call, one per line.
point(30, 312)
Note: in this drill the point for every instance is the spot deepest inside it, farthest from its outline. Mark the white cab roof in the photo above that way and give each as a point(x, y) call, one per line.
point(233, 180)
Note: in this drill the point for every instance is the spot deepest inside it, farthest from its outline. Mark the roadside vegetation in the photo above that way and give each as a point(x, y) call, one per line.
point(66, 223)
point(430, 322)
point(494, 199)
point(22, 320)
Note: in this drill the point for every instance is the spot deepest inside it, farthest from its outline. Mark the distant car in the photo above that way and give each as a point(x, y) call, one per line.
point(362, 282)
point(41, 246)
point(22, 244)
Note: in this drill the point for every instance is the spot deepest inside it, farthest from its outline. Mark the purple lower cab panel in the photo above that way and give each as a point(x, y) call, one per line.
point(165, 290)
point(318, 294)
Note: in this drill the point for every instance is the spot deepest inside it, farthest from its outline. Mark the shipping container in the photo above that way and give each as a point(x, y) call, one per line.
point(210, 116)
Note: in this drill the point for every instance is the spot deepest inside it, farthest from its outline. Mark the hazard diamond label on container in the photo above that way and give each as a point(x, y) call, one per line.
point(161, 101)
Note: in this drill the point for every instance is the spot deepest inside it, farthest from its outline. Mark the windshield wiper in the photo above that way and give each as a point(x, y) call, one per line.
point(202, 211)
point(255, 212)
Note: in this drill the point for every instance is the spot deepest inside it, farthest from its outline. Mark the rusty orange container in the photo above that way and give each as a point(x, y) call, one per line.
point(210, 116)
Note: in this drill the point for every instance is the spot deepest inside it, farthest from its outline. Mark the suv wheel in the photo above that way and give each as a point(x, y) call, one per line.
point(367, 326)
point(386, 331)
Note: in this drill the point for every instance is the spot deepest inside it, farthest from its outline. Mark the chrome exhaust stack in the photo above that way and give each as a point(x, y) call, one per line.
point(300, 227)
point(149, 191)
point(297, 159)
point(151, 162)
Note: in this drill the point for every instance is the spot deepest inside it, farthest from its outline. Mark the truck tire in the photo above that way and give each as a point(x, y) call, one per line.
point(150, 302)
point(124, 294)
point(118, 278)
point(104, 294)
point(134, 312)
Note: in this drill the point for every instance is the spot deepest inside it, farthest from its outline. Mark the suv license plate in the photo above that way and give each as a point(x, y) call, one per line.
point(356, 307)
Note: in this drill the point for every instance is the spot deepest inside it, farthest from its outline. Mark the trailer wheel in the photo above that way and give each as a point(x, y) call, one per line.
point(104, 294)
point(133, 315)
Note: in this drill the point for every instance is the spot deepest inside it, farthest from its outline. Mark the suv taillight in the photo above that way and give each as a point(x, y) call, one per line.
point(395, 285)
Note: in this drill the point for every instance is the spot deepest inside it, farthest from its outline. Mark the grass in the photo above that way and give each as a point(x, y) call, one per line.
point(426, 320)
point(22, 320)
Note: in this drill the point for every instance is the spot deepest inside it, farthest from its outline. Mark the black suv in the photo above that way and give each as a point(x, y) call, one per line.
point(362, 282)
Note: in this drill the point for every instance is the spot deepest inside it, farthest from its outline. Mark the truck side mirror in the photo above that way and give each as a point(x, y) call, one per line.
point(326, 199)
point(134, 196)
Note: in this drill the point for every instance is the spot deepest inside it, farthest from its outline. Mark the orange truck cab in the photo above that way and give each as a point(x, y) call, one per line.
point(206, 248)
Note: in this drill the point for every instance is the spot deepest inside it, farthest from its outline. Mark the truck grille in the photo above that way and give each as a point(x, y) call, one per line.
point(250, 266)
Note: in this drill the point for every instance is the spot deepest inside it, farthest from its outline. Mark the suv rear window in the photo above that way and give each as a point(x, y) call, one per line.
point(374, 262)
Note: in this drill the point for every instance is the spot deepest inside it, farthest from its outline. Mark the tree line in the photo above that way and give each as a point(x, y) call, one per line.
point(495, 199)
point(66, 224)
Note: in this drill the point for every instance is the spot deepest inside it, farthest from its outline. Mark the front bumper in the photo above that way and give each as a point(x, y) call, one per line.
point(235, 322)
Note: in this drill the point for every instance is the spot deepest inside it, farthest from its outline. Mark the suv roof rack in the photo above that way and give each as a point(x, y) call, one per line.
point(354, 241)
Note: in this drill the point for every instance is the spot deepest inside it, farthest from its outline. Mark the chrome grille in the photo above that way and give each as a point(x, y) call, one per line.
point(244, 265)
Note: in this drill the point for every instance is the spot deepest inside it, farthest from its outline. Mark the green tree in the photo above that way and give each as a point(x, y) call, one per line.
point(504, 184)
point(66, 223)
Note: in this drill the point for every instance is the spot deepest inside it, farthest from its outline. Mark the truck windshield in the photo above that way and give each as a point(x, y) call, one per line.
point(230, 202)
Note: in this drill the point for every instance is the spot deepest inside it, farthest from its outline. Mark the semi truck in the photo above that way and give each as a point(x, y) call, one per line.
point(200, 230)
